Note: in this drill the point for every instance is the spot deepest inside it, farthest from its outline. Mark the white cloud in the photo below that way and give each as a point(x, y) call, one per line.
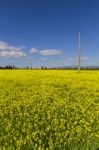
point(51, 52)
point(6, 47)
point(89, 58)
point(82, 58)
point(12, 53)
point(44, 59)
point(46, 52)
point(85, 60)
point(72, 59)
point(34, 50)
point(7, 50)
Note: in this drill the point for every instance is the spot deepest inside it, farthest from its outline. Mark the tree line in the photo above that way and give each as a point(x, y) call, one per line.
point(8, 67)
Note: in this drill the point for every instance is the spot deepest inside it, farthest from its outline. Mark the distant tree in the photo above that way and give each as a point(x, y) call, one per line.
point(13, 67)
point(45, 68)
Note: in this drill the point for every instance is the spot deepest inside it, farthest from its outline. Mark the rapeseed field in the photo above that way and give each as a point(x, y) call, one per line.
point(49, 110)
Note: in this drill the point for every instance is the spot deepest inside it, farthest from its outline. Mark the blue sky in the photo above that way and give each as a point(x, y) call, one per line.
point(46, 31)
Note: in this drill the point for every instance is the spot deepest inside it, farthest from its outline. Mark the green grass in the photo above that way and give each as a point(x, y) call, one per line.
point(49, 110)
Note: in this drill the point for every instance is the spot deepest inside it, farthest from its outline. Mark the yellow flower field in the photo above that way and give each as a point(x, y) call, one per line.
point(49, 110)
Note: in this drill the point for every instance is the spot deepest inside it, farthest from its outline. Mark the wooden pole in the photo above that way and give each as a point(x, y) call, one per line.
point(79, 49)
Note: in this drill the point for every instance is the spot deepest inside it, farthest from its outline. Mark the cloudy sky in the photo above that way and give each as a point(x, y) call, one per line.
point(46, 31)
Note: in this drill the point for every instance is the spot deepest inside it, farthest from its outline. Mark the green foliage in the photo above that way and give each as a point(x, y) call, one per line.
point(49, 110)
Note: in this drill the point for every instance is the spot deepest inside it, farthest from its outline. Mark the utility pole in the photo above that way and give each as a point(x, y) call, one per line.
point(79, 48)
point(31, 64)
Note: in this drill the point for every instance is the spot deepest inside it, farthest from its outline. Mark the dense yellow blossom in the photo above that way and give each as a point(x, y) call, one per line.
point(49, 110)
